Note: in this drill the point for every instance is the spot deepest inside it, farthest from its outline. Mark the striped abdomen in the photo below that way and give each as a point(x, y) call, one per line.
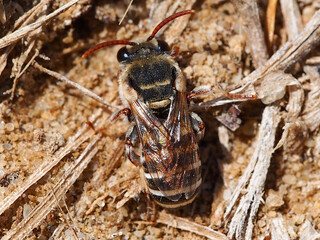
point(169, 156)
point(184, 183)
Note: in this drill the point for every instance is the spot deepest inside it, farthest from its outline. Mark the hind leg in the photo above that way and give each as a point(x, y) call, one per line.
point(131, 139)
point(197, 125)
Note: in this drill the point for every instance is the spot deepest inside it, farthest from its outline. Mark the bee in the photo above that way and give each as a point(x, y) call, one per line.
point(153, 89)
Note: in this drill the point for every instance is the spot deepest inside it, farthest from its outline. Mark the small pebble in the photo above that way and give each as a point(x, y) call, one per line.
point(26, 210)
point(198, 58)
point(214, 46)
point(7, 146)
point(310, 143)
point(14, 137)
point(28, 127)
point(272, 214)
point(289, 179)
point(139, 234)
point(10, 127)
point(274, 200)
point(261, 223)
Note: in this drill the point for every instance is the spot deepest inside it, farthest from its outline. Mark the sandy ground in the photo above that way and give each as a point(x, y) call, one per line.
point(76, 183)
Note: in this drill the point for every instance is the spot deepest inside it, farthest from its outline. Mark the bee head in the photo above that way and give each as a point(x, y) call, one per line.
point(142, 50)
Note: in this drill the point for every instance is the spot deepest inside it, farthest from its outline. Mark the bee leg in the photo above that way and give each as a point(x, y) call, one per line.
point(199, 92)
point(197, 125)
point(174, 51)
point(241, 96)
point(207, 90)
point(131, 139)
point(151, 216)
point(125, 111)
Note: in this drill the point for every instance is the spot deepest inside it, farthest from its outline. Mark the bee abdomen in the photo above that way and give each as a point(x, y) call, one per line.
point(175, 197)
point(177, 193)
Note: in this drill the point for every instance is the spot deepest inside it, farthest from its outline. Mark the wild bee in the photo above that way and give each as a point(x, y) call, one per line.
point(153, 89)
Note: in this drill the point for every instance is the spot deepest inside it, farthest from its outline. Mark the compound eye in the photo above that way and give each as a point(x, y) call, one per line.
point(174, 74)
point(123, 54)
point(163, 46)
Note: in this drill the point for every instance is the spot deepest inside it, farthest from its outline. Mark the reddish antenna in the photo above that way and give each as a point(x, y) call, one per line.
point(168, 19)
point(106, 44)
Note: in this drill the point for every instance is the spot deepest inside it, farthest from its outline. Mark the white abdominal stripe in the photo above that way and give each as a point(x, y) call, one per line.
point(183, 187)
point(169, 193)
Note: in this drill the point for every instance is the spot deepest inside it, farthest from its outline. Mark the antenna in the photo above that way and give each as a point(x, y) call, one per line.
point(168, 19)
point(106, 44)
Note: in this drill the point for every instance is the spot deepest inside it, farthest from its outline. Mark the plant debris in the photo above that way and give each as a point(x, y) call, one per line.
point(63, 170)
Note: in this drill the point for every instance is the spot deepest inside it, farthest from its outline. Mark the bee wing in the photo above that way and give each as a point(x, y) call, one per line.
point(185, 155)
point(169, 148)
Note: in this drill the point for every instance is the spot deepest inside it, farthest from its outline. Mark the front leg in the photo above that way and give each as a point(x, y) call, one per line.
point(197, 125)
point(132, 137)
point(203, 91)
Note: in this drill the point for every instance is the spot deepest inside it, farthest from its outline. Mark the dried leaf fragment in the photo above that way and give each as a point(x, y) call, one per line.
point(231, 118)
point(272, 87)
point(293, 137)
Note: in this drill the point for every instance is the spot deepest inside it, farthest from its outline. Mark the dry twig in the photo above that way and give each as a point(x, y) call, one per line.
point(311, 112)
point(81, 136)
point(308, 232)
point(278, 231)
point(57, 232)
point(125, 13)
point(98, 178)
point(3, 18)
point(270, 21)
point(241, 224)
point(22, 32)
point(313, 61)
point(282, 60)
point(289, 54)
point(21, 60)
point(250, 202)
point(294, 26)
point(184, 224)
point(28, 16)
point(292, 18)
point(75, 85)
point(249, 13)
point(59, 190)
point(23, 21)
point(253, 179)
